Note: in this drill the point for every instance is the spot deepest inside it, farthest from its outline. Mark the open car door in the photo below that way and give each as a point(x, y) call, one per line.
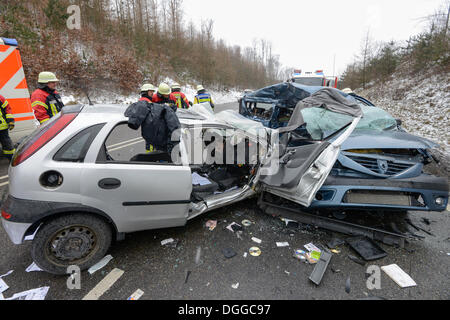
point(302, 164)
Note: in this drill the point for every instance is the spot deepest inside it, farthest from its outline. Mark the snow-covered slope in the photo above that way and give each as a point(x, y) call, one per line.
point(422, 102)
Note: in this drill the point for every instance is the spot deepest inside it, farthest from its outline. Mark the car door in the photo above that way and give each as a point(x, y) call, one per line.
point(136, 195)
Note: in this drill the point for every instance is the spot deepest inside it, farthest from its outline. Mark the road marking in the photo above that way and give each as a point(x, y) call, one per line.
point(127, 145)
point(123, 142)
point(104, 285)
point(1, 178)
point(4, 183)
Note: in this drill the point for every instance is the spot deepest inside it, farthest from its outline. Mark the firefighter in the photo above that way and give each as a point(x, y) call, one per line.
point(6, 123)
point(203, 96)
point(182, 101)
point(164, 96)
point(45, 100)
point(147, 92)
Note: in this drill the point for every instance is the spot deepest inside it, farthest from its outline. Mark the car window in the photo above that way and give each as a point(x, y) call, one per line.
point(76, 149)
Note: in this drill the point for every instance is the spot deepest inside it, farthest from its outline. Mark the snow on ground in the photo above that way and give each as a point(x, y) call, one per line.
point(422, 102)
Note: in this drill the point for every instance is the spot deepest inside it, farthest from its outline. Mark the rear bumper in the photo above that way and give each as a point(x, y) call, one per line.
point(386, 194)
point(16, 230)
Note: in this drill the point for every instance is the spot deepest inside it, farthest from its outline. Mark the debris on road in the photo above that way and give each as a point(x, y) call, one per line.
point(235, 286)
point(33, 294)
point(188, 273)
point(3, 286)
point(198, 255)
point(259, 241)
point(33, 268)
point(399, 276)
point(136, 295)
point(101, 264)
point(320, 267)
point(366, 248)
point(245, 255)
point(335, 251)
point(313, 257)
point(246, 223)
point(357, 260)
point(300, 255)
point(211, 224)
point(311, 247)
point(348, 285)
point(287, 272)
point(335, 242)
point(282, 244)
point(234, 227)
point(228, 253)
point(290, 223)
point(255, 251)
point(167, 241)
point(7, 274)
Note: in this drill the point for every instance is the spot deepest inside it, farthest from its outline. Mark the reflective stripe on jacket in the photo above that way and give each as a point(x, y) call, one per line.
point(182, 101)
point(5, 114)
point(46, 104)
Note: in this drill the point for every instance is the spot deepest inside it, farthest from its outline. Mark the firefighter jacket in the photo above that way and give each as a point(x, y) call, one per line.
point(146, 97)
point(157, 122)
point(171, 101)
point(46, 104)
point(5, 115)
point(182, 101)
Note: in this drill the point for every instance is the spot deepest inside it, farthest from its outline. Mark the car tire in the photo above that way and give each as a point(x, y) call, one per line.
point(74, 239)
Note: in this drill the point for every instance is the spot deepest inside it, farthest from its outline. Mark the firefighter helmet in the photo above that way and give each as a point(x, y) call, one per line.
point(200, 88)
point(175, 86)
point(164, 89)
point(46, 77)
point(148, 87)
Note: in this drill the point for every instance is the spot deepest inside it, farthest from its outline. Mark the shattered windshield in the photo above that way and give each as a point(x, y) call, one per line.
point(322, 123)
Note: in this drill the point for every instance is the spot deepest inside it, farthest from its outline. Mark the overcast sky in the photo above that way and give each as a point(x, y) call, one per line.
point(307, 33)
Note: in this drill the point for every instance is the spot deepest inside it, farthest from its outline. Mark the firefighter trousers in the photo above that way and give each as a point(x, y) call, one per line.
point(7, 144)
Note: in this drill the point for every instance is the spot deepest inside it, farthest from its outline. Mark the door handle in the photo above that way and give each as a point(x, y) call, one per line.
point(109, 183)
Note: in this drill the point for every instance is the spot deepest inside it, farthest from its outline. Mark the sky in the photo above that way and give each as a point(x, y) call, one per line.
point(308, 34)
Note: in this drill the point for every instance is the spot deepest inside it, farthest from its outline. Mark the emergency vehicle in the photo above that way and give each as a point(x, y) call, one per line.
point(317, 79)
point(13, 86)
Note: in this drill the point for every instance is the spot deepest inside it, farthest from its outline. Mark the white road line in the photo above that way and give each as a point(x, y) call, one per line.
point(127, 145)
point(104, 285)
point(123, 142)
point(1, 178)
point(4, 183)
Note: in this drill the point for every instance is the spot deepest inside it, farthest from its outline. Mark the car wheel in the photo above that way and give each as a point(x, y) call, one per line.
point(75, 239)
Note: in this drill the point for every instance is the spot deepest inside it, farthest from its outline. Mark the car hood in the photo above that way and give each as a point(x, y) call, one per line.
point(386, 140)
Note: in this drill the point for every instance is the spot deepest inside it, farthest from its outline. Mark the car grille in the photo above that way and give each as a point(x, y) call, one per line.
point(393, 168)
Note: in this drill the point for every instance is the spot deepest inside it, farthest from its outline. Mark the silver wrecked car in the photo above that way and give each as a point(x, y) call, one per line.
point(83, 180)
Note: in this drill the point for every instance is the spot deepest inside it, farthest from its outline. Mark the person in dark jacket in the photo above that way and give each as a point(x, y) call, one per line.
point(157, 121)
point(45, 100)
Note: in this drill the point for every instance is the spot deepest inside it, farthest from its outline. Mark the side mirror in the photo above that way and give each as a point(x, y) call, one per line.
point(399, 122)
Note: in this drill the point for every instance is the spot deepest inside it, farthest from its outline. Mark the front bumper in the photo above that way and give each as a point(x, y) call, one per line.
point(386, 194)
point(16, 230)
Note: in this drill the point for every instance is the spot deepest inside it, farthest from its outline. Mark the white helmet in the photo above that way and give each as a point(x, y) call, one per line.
point(148, 87)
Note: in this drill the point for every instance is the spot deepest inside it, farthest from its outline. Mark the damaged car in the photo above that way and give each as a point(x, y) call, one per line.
point(89, 181)
point(380, 167)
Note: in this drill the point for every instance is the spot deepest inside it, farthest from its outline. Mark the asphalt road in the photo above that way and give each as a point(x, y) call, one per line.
point(161, 271)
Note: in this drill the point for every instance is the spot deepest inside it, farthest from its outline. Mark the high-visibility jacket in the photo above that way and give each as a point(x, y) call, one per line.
point(172, 101)
point(204, 97)
point(5, 115)
point(146, 98)
point(182, 101)
point(46, 104)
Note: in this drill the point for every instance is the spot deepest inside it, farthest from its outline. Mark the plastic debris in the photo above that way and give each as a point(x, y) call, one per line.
point(188, 273)
point(239, 235)
point(245, 255)
point(255, 251)
point(399, 276)
point(7, 274)
point(211, 224)
point(246, 223)
point(313, 257)
point(235, 286)
point(228, 253)
point(366, 248)
point(256, 240)
point(348, 285)
point(287, 272)
point(357, 260)
point(136, 295)
point(101, 264)
point(335, 251)
point(234, 227)
point(311, 247)
point(321, 267)
point(33, 268)
point(3, 286)
point(282, 244)
point(170, 242)
point(335, 242)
